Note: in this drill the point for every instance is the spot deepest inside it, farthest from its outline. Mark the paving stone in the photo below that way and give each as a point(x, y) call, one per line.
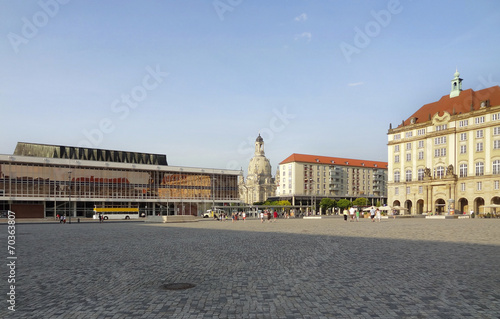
point(293, 268)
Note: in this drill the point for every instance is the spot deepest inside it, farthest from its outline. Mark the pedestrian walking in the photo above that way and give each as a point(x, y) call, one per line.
point(345, 214)
point(275, 216)
point(244, 215)
point(351, 213)
point(377, 215)
point(372, 214)
point(357, 215)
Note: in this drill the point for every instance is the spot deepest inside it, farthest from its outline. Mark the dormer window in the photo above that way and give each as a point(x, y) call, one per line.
point(485, 103)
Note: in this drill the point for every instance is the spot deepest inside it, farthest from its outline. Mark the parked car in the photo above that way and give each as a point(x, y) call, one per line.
point(210, 213)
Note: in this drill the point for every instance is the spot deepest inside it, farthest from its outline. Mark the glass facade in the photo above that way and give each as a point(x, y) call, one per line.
point(58, 184)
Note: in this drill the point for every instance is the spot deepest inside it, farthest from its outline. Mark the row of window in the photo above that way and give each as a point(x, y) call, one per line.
point(441, 152)
point(439, 172)
point(479, 187)
point(463, 123)
point(442, 139)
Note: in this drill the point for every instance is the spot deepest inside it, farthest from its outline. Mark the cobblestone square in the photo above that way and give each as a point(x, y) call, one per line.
point(293, 268)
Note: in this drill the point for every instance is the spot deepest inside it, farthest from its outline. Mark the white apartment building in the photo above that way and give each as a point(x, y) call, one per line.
point(303, 179)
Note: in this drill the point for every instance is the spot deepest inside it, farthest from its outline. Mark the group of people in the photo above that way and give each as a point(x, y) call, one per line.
point(353, 214)
point(375, 214)
point(238, 215)
point(267, 215)
point(234, 216)
point(61, 218)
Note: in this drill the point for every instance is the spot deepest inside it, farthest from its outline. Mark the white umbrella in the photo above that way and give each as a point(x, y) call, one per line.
point(492, 206)
point(385, 208)
point(368, 209)
point(399, 208)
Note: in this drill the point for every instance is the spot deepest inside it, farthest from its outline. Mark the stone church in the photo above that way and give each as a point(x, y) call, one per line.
point(259, 184)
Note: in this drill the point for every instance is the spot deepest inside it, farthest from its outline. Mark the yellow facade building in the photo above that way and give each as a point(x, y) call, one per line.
point(445, 158)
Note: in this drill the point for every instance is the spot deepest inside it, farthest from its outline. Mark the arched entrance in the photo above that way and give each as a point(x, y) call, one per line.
point(396, 203)
point(495, 200)
point(408, 205)
point(420, 206)
point(463, 205)
point(440, 205)
point(478, 205)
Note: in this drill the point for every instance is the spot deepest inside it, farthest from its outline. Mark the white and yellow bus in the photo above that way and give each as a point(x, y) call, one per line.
point(116, 213)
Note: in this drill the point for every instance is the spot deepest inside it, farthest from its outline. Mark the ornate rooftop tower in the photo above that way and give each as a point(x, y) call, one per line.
point(456, 85)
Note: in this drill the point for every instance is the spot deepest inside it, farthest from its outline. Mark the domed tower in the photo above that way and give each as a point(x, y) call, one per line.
point(456, 85)
point(259, 164)
point(260, 183)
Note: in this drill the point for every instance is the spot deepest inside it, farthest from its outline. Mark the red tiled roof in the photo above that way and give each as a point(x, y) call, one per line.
point(315, 159)
point(457, 105)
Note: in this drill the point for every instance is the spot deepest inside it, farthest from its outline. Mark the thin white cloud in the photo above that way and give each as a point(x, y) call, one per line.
point(306, 35)
point(356, 83)
point(302, 17)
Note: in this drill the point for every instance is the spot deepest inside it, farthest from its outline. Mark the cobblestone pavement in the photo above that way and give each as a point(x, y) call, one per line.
point(295, 268)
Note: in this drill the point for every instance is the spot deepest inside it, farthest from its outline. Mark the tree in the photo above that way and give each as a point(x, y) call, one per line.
point(343, 203)
point(283, 203)
point(360, 201)
point(327, 203)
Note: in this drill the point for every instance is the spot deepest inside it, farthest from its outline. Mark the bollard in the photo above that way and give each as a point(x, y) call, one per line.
point(78, 219)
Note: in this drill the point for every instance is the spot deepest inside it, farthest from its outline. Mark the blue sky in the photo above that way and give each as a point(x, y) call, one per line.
point(198, 80)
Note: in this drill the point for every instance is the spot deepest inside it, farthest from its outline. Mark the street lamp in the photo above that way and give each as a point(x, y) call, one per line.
point(213, 191)
point(69, 199)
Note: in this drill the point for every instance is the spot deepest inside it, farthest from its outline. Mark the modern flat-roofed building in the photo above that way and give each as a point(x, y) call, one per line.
point(304, 179)
point(40, 181)
point(445, 158)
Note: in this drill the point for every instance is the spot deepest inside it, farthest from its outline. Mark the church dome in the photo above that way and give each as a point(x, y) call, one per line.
point(259, 139)
point(259, 165)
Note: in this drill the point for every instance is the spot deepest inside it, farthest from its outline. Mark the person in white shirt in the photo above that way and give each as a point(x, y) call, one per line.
point(352, 211)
